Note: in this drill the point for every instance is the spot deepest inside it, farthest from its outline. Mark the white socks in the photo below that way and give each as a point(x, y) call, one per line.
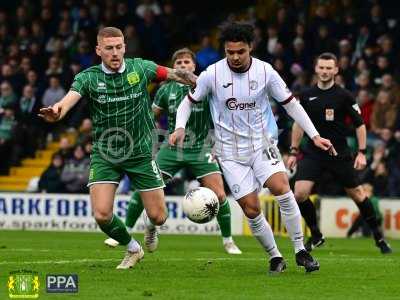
point(290, 213)
point(226, 240)
point(133, 246)
point(147, 221)
point(263, 233)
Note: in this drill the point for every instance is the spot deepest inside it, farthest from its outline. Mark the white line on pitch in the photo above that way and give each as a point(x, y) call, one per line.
point(88, 260)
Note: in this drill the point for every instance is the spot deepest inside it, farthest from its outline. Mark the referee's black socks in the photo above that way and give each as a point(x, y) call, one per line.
point(309, 214)
point(368, 214)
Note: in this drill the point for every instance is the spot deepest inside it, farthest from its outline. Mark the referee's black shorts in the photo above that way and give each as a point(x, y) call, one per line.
point(342, 168)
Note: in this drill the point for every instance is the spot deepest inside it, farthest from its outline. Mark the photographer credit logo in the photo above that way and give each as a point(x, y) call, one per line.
point(116, 145)
point(23, 284)
point(62, 283)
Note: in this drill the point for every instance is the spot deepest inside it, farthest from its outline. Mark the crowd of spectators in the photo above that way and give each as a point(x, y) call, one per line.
point(364, 35)
point(43, 46)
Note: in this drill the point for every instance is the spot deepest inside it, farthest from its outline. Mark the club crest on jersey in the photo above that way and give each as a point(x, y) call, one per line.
point(133, 78)
point(253, 85)
point(236, 188)
point(233, 104)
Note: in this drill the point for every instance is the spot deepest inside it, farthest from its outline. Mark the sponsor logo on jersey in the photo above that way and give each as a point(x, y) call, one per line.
point(103, 98)
point(233, 104)
point(133, 78)
point(101, 85)
point(253, 85)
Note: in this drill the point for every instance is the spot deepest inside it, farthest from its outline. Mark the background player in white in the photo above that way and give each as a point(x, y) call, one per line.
point(240, 87)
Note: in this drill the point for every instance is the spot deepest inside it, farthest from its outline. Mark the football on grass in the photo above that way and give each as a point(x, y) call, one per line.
point(200, 205)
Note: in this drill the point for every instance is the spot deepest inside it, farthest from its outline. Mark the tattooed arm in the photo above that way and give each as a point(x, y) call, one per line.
point(182, 76)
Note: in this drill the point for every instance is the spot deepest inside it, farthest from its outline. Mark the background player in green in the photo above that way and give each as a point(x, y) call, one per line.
point(118, 101)
point(195, 154)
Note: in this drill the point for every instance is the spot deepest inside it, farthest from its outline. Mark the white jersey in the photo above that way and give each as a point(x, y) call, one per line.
point(240, 108)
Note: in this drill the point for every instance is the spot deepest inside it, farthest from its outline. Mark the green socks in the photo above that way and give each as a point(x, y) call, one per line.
point(116, 229)
point(134, 211)
point(224, 219)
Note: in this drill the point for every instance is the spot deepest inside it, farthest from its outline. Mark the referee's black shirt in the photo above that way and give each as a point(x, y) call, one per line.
point(328, 110)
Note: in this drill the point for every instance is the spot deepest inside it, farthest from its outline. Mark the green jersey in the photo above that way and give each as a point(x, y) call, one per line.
point(119, 107)
point(168, 98)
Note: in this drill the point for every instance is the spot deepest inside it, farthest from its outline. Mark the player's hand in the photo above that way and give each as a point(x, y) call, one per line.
point(291, 162)
point(186, 77)
point(50, 114)
point(360, 162)
point(324, 144)
point(177, 137)
point(192, 79)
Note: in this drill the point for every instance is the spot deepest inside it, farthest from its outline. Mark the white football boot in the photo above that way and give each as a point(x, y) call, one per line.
point(231, 248)
point(111, 242)
point(131, 259)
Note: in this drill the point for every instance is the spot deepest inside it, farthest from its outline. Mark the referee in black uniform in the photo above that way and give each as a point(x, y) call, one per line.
point(328, 104)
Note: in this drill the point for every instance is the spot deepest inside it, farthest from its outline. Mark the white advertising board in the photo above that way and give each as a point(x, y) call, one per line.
point(70, 212)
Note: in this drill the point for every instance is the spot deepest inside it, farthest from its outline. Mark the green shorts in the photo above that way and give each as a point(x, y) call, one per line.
point(200, 162)
point(143, 172)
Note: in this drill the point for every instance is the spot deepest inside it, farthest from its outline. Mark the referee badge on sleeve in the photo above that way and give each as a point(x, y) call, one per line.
point(329, 114)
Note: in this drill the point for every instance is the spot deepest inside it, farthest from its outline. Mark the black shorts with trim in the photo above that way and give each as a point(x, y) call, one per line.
point(342, 169)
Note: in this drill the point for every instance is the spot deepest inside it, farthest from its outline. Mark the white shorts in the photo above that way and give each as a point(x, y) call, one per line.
point(245, 177)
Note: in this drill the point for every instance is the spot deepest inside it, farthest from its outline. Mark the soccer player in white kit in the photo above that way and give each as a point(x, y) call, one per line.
point(246, 134)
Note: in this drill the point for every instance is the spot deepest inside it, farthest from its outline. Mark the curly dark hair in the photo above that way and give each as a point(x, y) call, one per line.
point(236, 32)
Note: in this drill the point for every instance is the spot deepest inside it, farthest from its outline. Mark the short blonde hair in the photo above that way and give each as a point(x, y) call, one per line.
point(109, 32)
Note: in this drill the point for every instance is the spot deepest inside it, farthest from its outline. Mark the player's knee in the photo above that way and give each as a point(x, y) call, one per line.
point(102, 217)
point(252, 212)
point(357, 194)
point(221, 196)
point(158, 218)
point(280, 186)
point(300, 196)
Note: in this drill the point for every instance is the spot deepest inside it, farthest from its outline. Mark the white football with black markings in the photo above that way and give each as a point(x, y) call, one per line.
point(200, 205)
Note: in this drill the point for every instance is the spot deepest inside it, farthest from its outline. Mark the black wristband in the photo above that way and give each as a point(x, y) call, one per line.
point(363, 151)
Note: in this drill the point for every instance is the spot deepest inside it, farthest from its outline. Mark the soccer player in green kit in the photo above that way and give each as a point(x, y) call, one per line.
point(195, 154)
point(123, 123)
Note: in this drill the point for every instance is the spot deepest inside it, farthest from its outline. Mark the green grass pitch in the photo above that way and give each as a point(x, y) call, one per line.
point(196, 267)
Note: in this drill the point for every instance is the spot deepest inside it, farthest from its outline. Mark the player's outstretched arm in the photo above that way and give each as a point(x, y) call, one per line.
point(182, 76)
point(297, 112)
point(59, 110)
point(182, 116)
point(297, 135)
